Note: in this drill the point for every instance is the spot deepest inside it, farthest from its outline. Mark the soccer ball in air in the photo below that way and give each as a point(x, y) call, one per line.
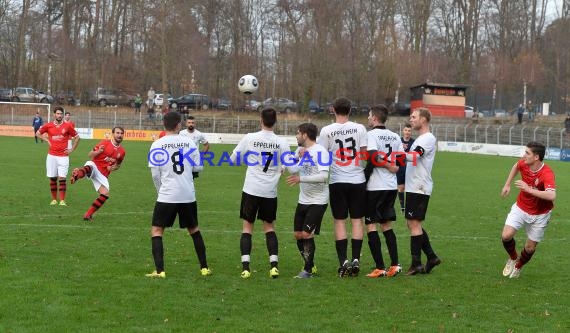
point(248, 84)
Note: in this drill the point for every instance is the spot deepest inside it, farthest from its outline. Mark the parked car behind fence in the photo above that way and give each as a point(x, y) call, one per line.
point(184, 104)
point(279, 104)
point(249, 105)
point(30, 95)
point(105, 96)
point(221, 103)
point(5, 94)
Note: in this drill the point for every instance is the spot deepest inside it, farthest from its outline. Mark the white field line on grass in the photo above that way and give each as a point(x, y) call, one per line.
point(86, 225)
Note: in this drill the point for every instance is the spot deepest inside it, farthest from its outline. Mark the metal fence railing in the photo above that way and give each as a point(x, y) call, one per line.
point(510, 134)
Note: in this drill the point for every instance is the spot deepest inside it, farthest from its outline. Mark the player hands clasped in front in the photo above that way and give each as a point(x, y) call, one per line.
point(262, 151)
point(381, 190)
point(532, 209)
point(176, 193)
point(419, 185)
point(312, 177)
point(346, 140)
point(106, 157)
point(57, 134)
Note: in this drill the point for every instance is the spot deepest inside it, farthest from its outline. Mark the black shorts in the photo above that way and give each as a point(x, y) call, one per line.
point(380, 206)
point(401, 175)
point(165, 213)
point(264, 208)
point(308, 218)
point(347, 199)
point(416, 206)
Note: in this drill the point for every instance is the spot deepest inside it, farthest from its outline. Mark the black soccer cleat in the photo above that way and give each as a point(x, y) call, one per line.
point(413, 270)
point(354, 268)
point(430, 264)
point(344, 270)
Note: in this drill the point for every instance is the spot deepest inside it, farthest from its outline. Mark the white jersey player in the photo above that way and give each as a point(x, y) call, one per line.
point(419, 186)
point(262, 152)
point(198, 137)
point(387, 144)
point(382, 189)
point(346, 141)
point(173, 180)
point(172, 160)
point(420, 162)
point(313, 169)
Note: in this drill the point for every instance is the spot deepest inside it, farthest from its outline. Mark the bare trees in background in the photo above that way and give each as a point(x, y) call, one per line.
point(300, 49)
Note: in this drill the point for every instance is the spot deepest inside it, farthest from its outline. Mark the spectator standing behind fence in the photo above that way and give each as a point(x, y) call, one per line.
point(150, 98)
point(37, 122)
point(520, 112)
point(567, 125)
point(138, 103)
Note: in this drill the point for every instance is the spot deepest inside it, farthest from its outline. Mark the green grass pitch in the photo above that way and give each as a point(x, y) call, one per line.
point(61, 274)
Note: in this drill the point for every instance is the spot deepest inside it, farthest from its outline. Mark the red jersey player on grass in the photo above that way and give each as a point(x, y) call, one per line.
point(532, 209)
point(106, 156)
point(57, 134)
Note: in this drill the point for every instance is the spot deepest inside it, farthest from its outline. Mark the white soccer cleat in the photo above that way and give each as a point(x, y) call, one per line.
point(515, 273)
point(509, 267)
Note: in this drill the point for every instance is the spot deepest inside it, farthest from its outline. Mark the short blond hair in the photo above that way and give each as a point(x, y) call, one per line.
point(424, 112)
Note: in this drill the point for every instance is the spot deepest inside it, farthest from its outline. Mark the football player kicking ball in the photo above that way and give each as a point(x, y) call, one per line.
point(105, 157)
point(532, 209)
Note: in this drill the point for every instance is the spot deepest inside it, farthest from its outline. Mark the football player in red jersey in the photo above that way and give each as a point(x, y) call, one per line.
point(105, 157)
point(57, 134)
point(532, 209)
point(67, 118)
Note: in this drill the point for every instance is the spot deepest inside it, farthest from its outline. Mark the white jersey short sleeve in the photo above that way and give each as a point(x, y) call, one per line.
point(388, 144)
point(262, 152)
point(418, 168)
point(196, 136)
point(177, 183)
point(315, 160)
point(344, 141)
